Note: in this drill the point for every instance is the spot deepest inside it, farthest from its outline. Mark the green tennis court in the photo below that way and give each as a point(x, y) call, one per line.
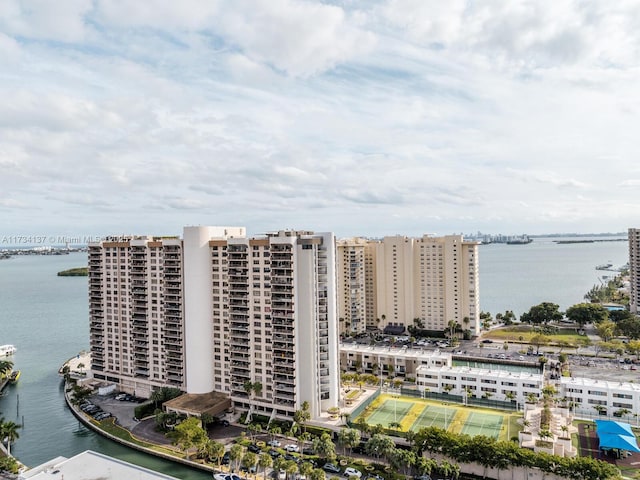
point(434, 416)
point(483, 424)
point(389, 412)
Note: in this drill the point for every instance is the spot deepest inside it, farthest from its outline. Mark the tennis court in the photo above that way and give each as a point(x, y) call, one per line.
point(488, 424)
point(434, 416)
point(390, 411)
point(413, 414)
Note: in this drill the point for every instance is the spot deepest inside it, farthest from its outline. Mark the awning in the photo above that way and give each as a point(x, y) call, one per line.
point(617, 435)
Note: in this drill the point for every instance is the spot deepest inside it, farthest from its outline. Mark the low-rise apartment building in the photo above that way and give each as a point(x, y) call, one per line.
point(400, 362)
point(480, 382)
point(592, 397)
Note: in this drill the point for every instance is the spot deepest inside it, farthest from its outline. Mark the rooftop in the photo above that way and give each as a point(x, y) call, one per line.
point(212, 403)
point(483, 372)
point(604, 384)
point(390, 351)
point(90, 465)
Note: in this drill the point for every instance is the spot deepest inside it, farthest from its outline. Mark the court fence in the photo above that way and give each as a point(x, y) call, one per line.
point(360, 408)
point(449, 397)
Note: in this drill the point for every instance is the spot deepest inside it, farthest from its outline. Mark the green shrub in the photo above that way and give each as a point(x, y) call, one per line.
point(144, 410)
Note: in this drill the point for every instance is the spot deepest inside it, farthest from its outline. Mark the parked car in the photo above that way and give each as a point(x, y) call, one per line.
point(226, 476)
point(254, 448)
point(308, 451)
point(274, 443)
point(486, 340)
point(331, 468)
point(121, 396)
point(352, 472)
point(274, 453)
point(292, 447)
point(226, 459)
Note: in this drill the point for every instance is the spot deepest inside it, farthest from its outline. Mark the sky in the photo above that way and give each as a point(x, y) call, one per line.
point(361, 117)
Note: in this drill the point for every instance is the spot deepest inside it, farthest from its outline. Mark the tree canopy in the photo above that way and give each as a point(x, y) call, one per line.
point(584, 313)
point(543, 313)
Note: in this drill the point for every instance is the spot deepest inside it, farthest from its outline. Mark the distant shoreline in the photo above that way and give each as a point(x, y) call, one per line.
point(566, 242)
point(74, 272)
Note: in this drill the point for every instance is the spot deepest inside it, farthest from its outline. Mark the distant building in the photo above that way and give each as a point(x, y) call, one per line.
point(634, 270)
point(388, 283)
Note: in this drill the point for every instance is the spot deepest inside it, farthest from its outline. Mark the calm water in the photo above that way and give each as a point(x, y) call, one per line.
point(516, 277)
point(45, 316)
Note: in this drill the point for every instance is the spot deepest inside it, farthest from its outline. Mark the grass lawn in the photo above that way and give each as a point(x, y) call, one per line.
point(513, 334)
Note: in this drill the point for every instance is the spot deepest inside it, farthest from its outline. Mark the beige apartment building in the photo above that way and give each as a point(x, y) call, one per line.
point(391, 282)
point(252, 318)
point(136, 313)
point(634, 270)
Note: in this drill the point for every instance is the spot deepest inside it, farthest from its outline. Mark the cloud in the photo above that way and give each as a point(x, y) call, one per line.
point(41, 19)
point(434, 116)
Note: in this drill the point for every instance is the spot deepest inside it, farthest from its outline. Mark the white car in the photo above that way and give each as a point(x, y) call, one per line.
point(225, 476)
point(352, 472)
point(292, 448)
point(274, 443)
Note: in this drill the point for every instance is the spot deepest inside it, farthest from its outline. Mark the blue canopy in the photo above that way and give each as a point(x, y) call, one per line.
point(616, 435)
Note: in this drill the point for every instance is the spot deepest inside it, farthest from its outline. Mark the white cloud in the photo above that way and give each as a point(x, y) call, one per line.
point(41, 19)
point(364, 118)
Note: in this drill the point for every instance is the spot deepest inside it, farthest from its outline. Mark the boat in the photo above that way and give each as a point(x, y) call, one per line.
point(523, 240)
point(604, 266)
point(6, 350)
point(15, 376)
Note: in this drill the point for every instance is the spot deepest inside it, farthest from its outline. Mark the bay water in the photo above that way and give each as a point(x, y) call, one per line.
point(46, 317)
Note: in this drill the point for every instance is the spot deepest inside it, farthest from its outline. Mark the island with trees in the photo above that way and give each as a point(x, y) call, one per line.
point(75, 272)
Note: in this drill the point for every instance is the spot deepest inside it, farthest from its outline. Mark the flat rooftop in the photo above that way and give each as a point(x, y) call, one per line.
point(481, 372)
point(90, 465)
point(212, 403)
point(415, 353)
point(604, 384)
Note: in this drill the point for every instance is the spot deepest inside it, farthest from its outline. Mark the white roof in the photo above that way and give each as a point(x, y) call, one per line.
point(602, 384)
point(481, 372)
point(90, 465)
point(415, 353)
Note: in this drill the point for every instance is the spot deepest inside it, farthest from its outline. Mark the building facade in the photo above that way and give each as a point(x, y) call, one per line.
point(479, 382)
point(397, 362)
point(634, 270)
point(590, 397)
point(396, 280)
point(254, 318)
point(136, 315)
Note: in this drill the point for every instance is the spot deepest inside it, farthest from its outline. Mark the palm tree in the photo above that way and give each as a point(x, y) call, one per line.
point(81, 367)
point(9, 430)
point(217, 451)
point(5, 367)
point(265, 461)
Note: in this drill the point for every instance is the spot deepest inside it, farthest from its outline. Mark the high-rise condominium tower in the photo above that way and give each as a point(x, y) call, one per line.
point(391, 282)
point(254, 318)
point(634, 270)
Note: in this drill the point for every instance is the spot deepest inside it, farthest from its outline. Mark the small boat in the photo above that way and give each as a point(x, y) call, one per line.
point(7, 350)
point(15, 375)
point(604, 266)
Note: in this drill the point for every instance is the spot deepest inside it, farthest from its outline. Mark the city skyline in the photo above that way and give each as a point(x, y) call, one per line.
point(352, 117)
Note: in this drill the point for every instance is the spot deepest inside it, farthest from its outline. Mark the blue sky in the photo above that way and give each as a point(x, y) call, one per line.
point(360, 117)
